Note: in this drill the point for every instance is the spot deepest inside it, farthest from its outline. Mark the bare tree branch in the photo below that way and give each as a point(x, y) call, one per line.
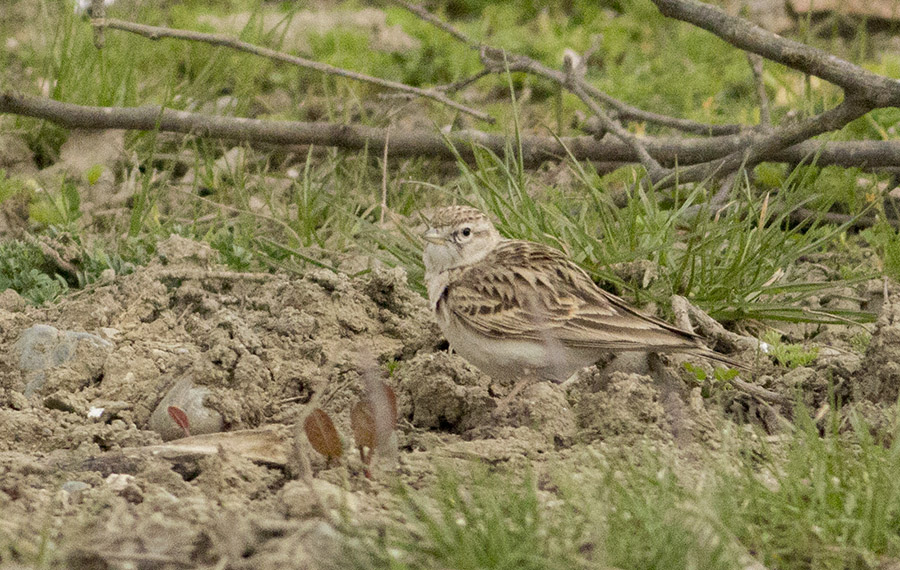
point(668, 151)
point(438, 23)
point(155, 33)
point(752, 147)
point(880, 91)
point(765, 145)
point(655, 171)
point(496, 60)
point(528, 65)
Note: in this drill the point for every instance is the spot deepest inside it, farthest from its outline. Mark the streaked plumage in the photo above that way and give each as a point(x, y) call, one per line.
point(517, 308)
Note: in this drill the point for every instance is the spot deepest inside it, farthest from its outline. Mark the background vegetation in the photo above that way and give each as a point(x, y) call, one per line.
point(826, 498)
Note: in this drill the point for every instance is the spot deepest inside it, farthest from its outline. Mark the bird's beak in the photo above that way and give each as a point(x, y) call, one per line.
point(433, 236)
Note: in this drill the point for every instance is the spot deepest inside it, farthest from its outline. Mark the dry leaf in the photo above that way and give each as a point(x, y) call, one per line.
point(322, 434)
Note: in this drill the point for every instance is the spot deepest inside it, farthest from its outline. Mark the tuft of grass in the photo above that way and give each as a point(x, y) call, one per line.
point(886, 241)
point(25, 269)
point(475, 522)
point(833, 501)
point(740, 262)
point(823, 500)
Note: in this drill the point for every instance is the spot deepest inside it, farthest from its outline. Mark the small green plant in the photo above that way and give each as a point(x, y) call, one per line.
point(60, 207)
point(721, 376)
point(25, 269)
point(10, 186)
point(788, 354)
point(860, 341)
point(830, 501)
point(372, 423)
point(367, 417)
point(29, 270)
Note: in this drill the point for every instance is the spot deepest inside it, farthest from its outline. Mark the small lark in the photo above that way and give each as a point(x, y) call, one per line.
point(519, 310)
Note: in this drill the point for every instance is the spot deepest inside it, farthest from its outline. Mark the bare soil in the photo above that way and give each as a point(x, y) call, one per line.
point(84, 470)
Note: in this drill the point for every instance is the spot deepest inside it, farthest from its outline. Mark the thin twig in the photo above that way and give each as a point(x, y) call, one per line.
point(756, 66)
point(655, 171)
point(156, 32)
point(759, 392)
point(98, 10)
point(219, 205)
point(384, 178)
point(54, 256)
point(197, 274)
point(462, 83)
point(710, 327)
point(438, 23)
point(140, 558)
point(765, 145)
point(528, 65)
point(801, 215)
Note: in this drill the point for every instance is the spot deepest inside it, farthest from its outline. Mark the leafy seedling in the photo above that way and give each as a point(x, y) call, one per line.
point(789, 354)
point(180, 418)
point(322, 435)
point(721, 376)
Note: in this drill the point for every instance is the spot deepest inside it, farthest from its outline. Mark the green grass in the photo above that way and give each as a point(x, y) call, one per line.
point(832, 502)
point(827, 498)
point(825, 501)
point(730, 263)
point(737, 264)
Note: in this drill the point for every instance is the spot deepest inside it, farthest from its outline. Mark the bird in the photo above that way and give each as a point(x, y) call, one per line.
point(519, 309)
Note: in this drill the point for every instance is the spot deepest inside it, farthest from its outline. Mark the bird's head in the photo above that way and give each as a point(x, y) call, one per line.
point(458, 236)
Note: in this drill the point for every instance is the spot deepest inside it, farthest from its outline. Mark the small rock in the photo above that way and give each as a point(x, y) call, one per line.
point(880, 380)
point(73, 487)
point(388, 288)
point(42, 348)
point(441, 391)
point(191, 400)
point(179, 250)
point(543, 407)
point(11, 301)
point(628, 405)
point(62, 401)
point(297, 500)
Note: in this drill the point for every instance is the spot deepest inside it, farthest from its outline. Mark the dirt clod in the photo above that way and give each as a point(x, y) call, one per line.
point(442, 391)
point(880, 380)
point(626, 404)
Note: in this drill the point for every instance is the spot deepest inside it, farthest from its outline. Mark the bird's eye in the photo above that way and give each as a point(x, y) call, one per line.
point(467, 232)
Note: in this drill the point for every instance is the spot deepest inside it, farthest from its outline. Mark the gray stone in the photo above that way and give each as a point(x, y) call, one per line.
point(73, 487)
point(42, 348)
point(191, 399)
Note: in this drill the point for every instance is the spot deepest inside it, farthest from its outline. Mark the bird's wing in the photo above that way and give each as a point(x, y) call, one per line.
point(528, 291)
